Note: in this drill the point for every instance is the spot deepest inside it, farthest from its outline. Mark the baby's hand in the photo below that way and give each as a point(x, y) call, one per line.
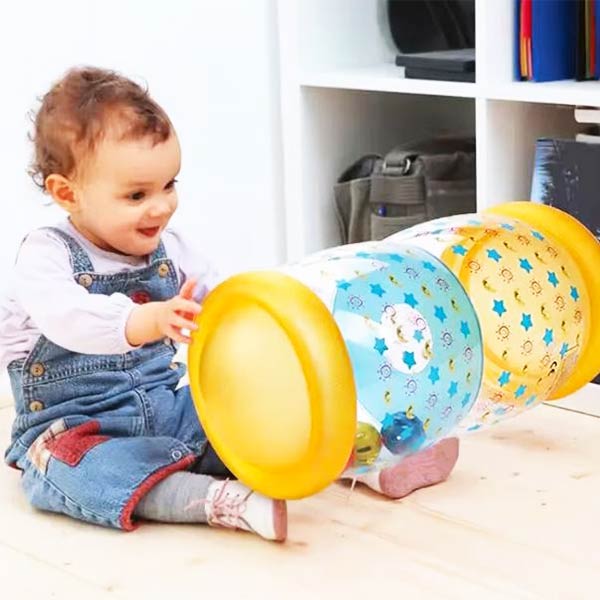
point(178, 314)
point(149, 322)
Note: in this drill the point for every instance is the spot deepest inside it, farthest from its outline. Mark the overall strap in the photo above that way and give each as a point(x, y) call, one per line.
point(159, 254)
point(80, 260)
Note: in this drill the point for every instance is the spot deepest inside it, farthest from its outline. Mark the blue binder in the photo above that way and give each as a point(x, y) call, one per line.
point(553, 39)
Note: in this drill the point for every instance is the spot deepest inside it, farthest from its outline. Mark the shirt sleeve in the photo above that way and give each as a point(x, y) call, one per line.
point(192, 264)
point(64, 311)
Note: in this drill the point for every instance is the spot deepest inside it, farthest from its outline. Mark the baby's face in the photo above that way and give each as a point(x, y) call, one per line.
point(127, 194)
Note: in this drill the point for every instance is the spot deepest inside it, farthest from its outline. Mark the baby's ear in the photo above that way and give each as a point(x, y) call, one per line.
point(61, 190)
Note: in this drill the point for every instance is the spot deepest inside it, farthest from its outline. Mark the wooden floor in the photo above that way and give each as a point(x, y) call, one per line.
point(519, 518)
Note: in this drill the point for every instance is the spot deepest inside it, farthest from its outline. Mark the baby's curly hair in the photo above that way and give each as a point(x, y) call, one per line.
point(79, 110)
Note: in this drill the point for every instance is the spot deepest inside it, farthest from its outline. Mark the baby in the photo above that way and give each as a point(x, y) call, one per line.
point(103, 430)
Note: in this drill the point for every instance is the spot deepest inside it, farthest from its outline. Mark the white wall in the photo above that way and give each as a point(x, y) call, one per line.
point(213, 67)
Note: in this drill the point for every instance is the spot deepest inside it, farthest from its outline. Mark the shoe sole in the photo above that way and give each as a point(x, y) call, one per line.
point(423, 469)
point(280, 520)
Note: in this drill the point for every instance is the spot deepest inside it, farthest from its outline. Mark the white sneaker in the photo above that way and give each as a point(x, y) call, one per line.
point(233, 505)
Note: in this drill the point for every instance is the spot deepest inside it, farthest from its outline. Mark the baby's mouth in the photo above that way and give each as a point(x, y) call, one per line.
point(149, 231)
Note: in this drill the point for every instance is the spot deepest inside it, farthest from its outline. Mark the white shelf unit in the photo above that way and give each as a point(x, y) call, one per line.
point(342, 97)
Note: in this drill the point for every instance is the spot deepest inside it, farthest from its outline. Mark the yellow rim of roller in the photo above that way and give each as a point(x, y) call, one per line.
point(300, 343)
point(585, 250)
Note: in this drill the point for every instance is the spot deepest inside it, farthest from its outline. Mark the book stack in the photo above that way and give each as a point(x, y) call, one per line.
point(590, 116)
point(446, 65)
point(557, 39)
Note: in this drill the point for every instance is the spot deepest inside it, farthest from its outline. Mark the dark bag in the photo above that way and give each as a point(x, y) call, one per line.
point(377, 196)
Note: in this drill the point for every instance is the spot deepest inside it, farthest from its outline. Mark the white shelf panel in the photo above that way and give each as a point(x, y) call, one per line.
point(552, 92)
point(390, 78)
point(386, 78)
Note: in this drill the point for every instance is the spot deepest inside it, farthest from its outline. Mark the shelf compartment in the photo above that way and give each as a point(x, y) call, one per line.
point(386, 78)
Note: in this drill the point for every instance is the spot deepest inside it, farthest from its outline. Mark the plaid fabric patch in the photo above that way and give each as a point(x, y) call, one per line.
point(38, 452)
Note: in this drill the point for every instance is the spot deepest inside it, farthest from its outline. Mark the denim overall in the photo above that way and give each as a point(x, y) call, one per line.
point(93, 433)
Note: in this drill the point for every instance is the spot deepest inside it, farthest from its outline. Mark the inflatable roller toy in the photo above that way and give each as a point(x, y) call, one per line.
point(356, 356)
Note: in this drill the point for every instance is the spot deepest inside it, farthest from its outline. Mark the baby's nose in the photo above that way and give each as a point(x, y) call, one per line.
point(161, 207)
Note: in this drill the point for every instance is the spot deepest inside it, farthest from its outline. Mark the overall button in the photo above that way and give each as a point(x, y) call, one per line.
point(177, 455)
point(163, 269)
point(85, 280)
point(174, 366)
point(37, 369)
point(167, 341)
point(35, 406)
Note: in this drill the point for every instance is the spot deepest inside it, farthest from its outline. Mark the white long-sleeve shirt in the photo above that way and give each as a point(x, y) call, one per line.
point(43, 297)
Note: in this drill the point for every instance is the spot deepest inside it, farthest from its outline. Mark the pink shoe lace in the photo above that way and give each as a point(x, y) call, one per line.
point(226, 511)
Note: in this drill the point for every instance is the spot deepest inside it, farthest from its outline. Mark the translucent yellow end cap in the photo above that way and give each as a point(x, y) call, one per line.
point(272, 383)
point(579, 242)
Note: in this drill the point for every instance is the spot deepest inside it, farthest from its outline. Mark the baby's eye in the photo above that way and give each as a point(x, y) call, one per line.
point(137, 196)
point(171, 184)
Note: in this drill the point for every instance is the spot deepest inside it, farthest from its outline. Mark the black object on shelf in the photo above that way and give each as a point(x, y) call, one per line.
point(462, 60)
point(438, 75)
point(427, 25)
point(566, 176)
point(436, 38)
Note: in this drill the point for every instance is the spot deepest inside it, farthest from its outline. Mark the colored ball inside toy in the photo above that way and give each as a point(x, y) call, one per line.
point(367, 445)
point(402, 433)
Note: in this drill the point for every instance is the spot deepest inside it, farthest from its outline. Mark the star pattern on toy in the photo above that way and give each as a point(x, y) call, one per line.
point(429, 266)
point(548, 337)
point(494, 255)
point(453, 389)
point(409, 359)
point(466, 399)
point(520, 391)
point(410, 300)
point(464, 329)
point(440, 313)
point(526, 322)
point(504, 378)
point(537, 235)
point(418, 335)
point(564, 349)
point(342, 284)
point(508, 226)
point(552, 278)
point(499, 307)
point(434, 375)
point(525, 265)
point(459, 249)
point(531, 400)
point(396, 258)
point(377, 289)
point(574, 293)
point(380, 345)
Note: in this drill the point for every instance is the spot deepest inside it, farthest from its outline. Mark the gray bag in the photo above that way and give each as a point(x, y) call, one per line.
point(377, 196)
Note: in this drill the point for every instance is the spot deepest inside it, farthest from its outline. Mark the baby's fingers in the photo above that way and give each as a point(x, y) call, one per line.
point(186, 306)
point(180, 322)
point(178, 336)
point(187, 289)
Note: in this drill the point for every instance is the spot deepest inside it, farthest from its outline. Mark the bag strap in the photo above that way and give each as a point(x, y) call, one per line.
point(400, 159)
